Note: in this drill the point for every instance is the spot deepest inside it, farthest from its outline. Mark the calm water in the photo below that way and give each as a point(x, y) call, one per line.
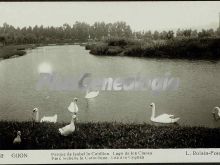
point(198, 93)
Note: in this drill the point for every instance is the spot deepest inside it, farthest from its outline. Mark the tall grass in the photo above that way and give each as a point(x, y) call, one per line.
point(107, 135)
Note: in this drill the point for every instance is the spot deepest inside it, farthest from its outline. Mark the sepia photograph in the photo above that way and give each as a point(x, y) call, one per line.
point(109, 75)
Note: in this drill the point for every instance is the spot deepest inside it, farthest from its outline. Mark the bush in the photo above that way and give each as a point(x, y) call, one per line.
point(114, 50)
point(89, 46)
point(99, 49)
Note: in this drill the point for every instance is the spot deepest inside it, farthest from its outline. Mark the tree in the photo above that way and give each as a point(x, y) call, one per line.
point(163, 35)
point(179, 33)
point(217, 32)
point(2, 40)
point(147, 35)
point(170, 35)
point(204, 33)
point(156, 35)
point(187, 33)
point(194, 34)
point(81, 31)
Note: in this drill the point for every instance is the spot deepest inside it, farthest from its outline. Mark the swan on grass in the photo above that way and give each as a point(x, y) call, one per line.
point(91, 94)
point(73, 106)
point(51, 119)
point(68, 129)
point(164, 118)
point(216, 113)
point(17, 140)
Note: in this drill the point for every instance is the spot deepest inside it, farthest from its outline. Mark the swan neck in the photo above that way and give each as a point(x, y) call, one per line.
point(153, 112)
point(37, 116)
point(72, 121)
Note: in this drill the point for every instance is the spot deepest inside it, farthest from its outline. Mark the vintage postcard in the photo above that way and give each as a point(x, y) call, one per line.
point(109, 82)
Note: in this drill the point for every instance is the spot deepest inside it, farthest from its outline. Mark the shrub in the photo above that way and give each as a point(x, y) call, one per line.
point(99, 49)
point(114, 50)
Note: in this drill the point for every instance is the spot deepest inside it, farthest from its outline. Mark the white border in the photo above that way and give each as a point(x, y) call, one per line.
point(96, 156)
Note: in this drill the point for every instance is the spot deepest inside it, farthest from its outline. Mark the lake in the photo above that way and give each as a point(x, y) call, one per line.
point(198, 92)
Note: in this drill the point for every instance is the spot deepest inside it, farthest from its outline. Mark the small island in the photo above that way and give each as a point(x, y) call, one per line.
point(204, 48)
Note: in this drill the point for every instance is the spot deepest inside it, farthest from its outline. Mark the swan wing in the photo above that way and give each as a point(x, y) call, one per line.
point(49, 119)
point(218, 111)
point(165, 118)
point(92, 94)
point(66, 127)
point(66, 130)
point(170, 116)
point(17, 140)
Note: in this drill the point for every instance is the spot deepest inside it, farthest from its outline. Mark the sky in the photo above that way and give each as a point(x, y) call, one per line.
point(139, 15)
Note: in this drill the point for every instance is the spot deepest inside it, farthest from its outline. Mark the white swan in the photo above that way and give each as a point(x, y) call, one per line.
point(51, 119)
point(91, 94)
point(164, 118)
point(216, 113)
point(73, 106)
point(68, 129)
point(17, 140)
point(36, 113)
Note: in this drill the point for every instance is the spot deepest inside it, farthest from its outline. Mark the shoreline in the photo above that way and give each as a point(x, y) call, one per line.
point(100, 135)
point(14, 51)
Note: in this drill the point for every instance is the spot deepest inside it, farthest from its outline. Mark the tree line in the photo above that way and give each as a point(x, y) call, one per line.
point(82, 32)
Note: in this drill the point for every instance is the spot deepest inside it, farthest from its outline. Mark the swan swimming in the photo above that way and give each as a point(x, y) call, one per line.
point(73, 106)
point(164, 118)
point(17, 140)
point(51, 119)
point(68, 129)
point(91, 94)
point(216, 113)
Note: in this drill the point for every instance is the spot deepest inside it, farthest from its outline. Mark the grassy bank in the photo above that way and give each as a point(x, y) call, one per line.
point(194, 48)
point(107, 135)
point(11, 51)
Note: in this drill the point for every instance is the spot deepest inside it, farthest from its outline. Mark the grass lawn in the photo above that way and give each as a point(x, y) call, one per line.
point(107, 135)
